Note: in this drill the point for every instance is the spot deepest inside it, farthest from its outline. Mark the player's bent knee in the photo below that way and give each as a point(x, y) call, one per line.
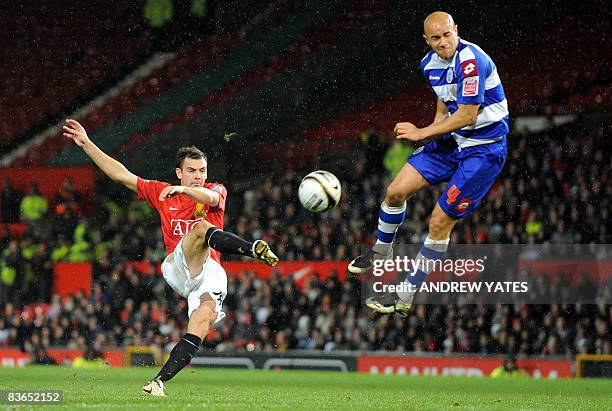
point(207, 304)
point(202, 317)
point(206, 318)
point(436, 226)
point(395, 196)
point(408, 182)
point(440, 225)
point(201, 229)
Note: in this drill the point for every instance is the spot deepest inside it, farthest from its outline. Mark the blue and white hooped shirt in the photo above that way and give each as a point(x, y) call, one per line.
point(470, 77)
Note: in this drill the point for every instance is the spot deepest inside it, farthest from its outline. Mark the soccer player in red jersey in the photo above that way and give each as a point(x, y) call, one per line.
point(192, 223)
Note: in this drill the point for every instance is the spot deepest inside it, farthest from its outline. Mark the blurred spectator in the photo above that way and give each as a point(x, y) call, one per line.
point(11, 273)
point(509, 369)
point(68, 199)
point(375, 147)
point(33, 206)
point(42, 266)
point(80, 251)
point(10, 199)
point(41, 357)
point(91, 359)
point(396, 156)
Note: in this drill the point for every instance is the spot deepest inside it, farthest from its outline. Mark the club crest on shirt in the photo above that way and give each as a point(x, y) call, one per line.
point(200, 210)
point(449, 75)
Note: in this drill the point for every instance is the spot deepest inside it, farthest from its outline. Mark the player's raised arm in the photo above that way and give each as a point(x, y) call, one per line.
point(111, 167)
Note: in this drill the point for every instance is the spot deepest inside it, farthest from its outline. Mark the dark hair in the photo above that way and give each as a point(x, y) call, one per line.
point(188, 152)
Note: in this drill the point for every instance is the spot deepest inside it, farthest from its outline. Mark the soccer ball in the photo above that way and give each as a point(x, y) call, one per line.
point(319, 191)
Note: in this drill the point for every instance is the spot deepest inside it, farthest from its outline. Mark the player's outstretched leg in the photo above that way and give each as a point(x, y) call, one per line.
point(434, 248)
point(390, 216)
point(229, 243)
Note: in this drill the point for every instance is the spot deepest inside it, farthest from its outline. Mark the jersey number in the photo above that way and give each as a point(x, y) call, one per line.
point(452, 194)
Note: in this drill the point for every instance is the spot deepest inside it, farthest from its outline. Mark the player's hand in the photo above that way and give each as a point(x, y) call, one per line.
point(171, 191)
point(76, 132)
point(408, 131)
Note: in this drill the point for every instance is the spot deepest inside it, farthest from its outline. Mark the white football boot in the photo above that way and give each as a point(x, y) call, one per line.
point(154, 388)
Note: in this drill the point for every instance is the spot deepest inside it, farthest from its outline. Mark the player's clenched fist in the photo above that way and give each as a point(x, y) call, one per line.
point(170, 191)
point(407, 131)
point(76, 132)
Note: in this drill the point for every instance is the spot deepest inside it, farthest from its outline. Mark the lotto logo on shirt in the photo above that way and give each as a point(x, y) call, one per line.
point(469, 68)
point(470, 87)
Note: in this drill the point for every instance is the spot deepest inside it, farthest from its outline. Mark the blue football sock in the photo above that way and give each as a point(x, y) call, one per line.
point(389, 220)
point(431, 251)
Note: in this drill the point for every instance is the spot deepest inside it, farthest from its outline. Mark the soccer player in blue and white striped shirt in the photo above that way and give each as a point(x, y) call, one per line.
point(465, 145)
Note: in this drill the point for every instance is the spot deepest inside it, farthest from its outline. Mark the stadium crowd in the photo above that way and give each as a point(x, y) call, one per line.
point(553, 189)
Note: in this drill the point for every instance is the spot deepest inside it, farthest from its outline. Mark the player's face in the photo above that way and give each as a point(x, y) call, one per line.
point(193, 173)
point(442, 37)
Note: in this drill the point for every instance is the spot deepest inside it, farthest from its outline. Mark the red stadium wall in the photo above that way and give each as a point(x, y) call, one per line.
point(71, 278)
point(50, 179)
point(459, 366)
point(300, 271)
point(13, 357)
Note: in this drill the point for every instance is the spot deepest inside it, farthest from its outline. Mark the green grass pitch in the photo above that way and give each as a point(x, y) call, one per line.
point(196, 388)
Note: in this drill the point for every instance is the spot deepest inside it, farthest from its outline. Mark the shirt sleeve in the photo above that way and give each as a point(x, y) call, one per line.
point(471, 77)
point(219, 188)
point(149, 190)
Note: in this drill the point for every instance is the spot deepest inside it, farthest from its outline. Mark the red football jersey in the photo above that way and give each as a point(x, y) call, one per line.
point(179, 214)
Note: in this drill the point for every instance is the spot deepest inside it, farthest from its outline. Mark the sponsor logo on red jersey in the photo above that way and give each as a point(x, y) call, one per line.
point(183, 227)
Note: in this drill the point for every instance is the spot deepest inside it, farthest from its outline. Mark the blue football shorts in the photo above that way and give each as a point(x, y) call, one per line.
point(470, 172)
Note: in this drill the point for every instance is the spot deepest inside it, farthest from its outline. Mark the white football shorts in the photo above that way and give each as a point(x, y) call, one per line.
point(212, 280)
